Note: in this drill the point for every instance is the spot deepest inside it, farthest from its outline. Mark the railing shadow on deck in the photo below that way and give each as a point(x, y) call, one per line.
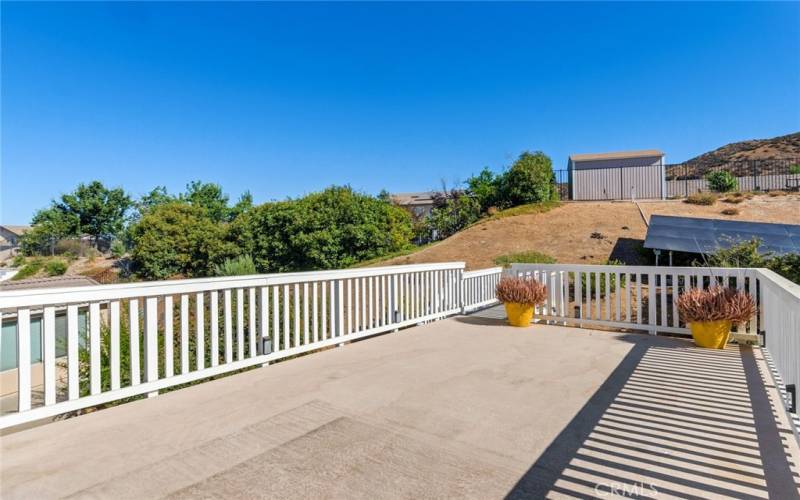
point(670, 419)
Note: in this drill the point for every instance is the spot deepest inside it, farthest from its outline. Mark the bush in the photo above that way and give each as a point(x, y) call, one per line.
point(701, 199)
point(117, 249)
point(698, 305)
point(485, 187)
point(178, 239)
point(529, 180)
point(455, 214)
point(242, 265)
point(722, 181)
point(529, 257)
point(730, 211)
point(795, 169)
point(55, 267)
point(31, 268)
point(335, 228)
point(746, 254)
point(521, 291)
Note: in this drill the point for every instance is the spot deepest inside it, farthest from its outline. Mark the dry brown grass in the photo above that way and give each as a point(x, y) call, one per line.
point(706, 199)
point(698, 305)
point(777, 193)
point(521, 291)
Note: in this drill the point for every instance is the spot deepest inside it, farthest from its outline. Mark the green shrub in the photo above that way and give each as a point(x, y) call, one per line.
point(529, 180)
point(19, 261)
point(335, 228)
point(55, 267)
point(529, 257)
point(747, 254)
point(722, 181)
point(455, 214)
point(242, 265)
point(485, 188)
point(177, 238)
point(31, 268)
point(795, 169)
point(117, 249)
point(701, 199)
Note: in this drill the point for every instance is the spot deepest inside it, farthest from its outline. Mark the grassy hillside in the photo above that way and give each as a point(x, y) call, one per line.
point(585, 232)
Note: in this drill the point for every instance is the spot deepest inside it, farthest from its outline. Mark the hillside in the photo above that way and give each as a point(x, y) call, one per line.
point(785, 147)
point(585, 232)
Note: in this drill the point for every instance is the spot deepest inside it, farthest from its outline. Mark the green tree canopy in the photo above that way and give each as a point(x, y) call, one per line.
point(529, 180)
point(335, 228)
point(91, 209)
point(177, 238)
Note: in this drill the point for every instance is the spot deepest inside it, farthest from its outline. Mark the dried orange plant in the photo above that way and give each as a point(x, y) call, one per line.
point(521, 291)
point(698, 305)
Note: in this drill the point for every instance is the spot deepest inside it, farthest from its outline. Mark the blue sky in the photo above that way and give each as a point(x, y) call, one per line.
point(284, 99)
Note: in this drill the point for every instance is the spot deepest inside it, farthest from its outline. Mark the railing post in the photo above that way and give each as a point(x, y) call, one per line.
point(339, 310)
point(151, 342)
point(461, 291)
point(393, 300)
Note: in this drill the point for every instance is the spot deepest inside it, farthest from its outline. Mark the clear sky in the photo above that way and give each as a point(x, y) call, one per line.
point(284, 99)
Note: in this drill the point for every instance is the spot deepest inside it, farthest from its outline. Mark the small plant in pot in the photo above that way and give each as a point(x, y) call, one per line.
point(710, 313)
point(520, 296)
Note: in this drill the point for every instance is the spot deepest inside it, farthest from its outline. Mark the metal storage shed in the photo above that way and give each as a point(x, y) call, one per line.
point(622, 175)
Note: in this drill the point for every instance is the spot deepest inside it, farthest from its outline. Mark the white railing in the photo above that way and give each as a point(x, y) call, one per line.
point(780, 316)
point(144, 337)
point(636, 297)
point(127, 340)
point(478, 288)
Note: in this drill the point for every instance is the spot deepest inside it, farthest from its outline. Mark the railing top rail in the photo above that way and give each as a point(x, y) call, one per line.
point(787, 286)
point(482, 272)
point(630, 269)
point(71, 295)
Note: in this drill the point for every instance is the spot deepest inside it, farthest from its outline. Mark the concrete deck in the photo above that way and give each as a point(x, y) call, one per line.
point(465, 407)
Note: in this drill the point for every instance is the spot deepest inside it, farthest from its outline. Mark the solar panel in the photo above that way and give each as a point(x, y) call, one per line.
point(695, 235)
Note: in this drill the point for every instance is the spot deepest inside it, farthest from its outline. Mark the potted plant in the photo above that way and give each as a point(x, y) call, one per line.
point(710, 313)
point(520, 296)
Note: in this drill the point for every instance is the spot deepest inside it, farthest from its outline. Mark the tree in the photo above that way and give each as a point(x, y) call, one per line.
point(485, 188)
point(91, 209)
point(100, 211)
point(456, 213)
point(529, 180)
point(335, 228)
point(49, 226)
point(177, 238)
point(157, 196)
point(244, 204)
point(209, 196)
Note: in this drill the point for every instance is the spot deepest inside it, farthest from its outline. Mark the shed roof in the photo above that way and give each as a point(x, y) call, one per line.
point(697, 235)
point(617, 155)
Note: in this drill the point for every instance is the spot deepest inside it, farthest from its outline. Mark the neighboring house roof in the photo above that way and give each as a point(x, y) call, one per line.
point(618, 155)
point(421, 198)
point(54, 282)
point(18, 230)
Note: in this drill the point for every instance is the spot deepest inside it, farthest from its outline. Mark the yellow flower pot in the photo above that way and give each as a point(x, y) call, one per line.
point(711, 334)
point(519, 314)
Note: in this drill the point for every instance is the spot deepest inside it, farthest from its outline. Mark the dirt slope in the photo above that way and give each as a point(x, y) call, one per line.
point(783, 147)
point(566, 232)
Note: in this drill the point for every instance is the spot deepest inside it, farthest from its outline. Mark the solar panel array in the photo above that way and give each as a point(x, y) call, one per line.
point(695, 235)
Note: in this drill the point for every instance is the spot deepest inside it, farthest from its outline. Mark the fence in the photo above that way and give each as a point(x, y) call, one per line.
point(679, 180)
point(752, 175)
point(144, 337)
point(640, 297)
point(133, 339)
point(478, 287)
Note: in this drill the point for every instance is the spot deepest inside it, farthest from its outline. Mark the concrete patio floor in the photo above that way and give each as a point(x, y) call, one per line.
point(465, 407)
